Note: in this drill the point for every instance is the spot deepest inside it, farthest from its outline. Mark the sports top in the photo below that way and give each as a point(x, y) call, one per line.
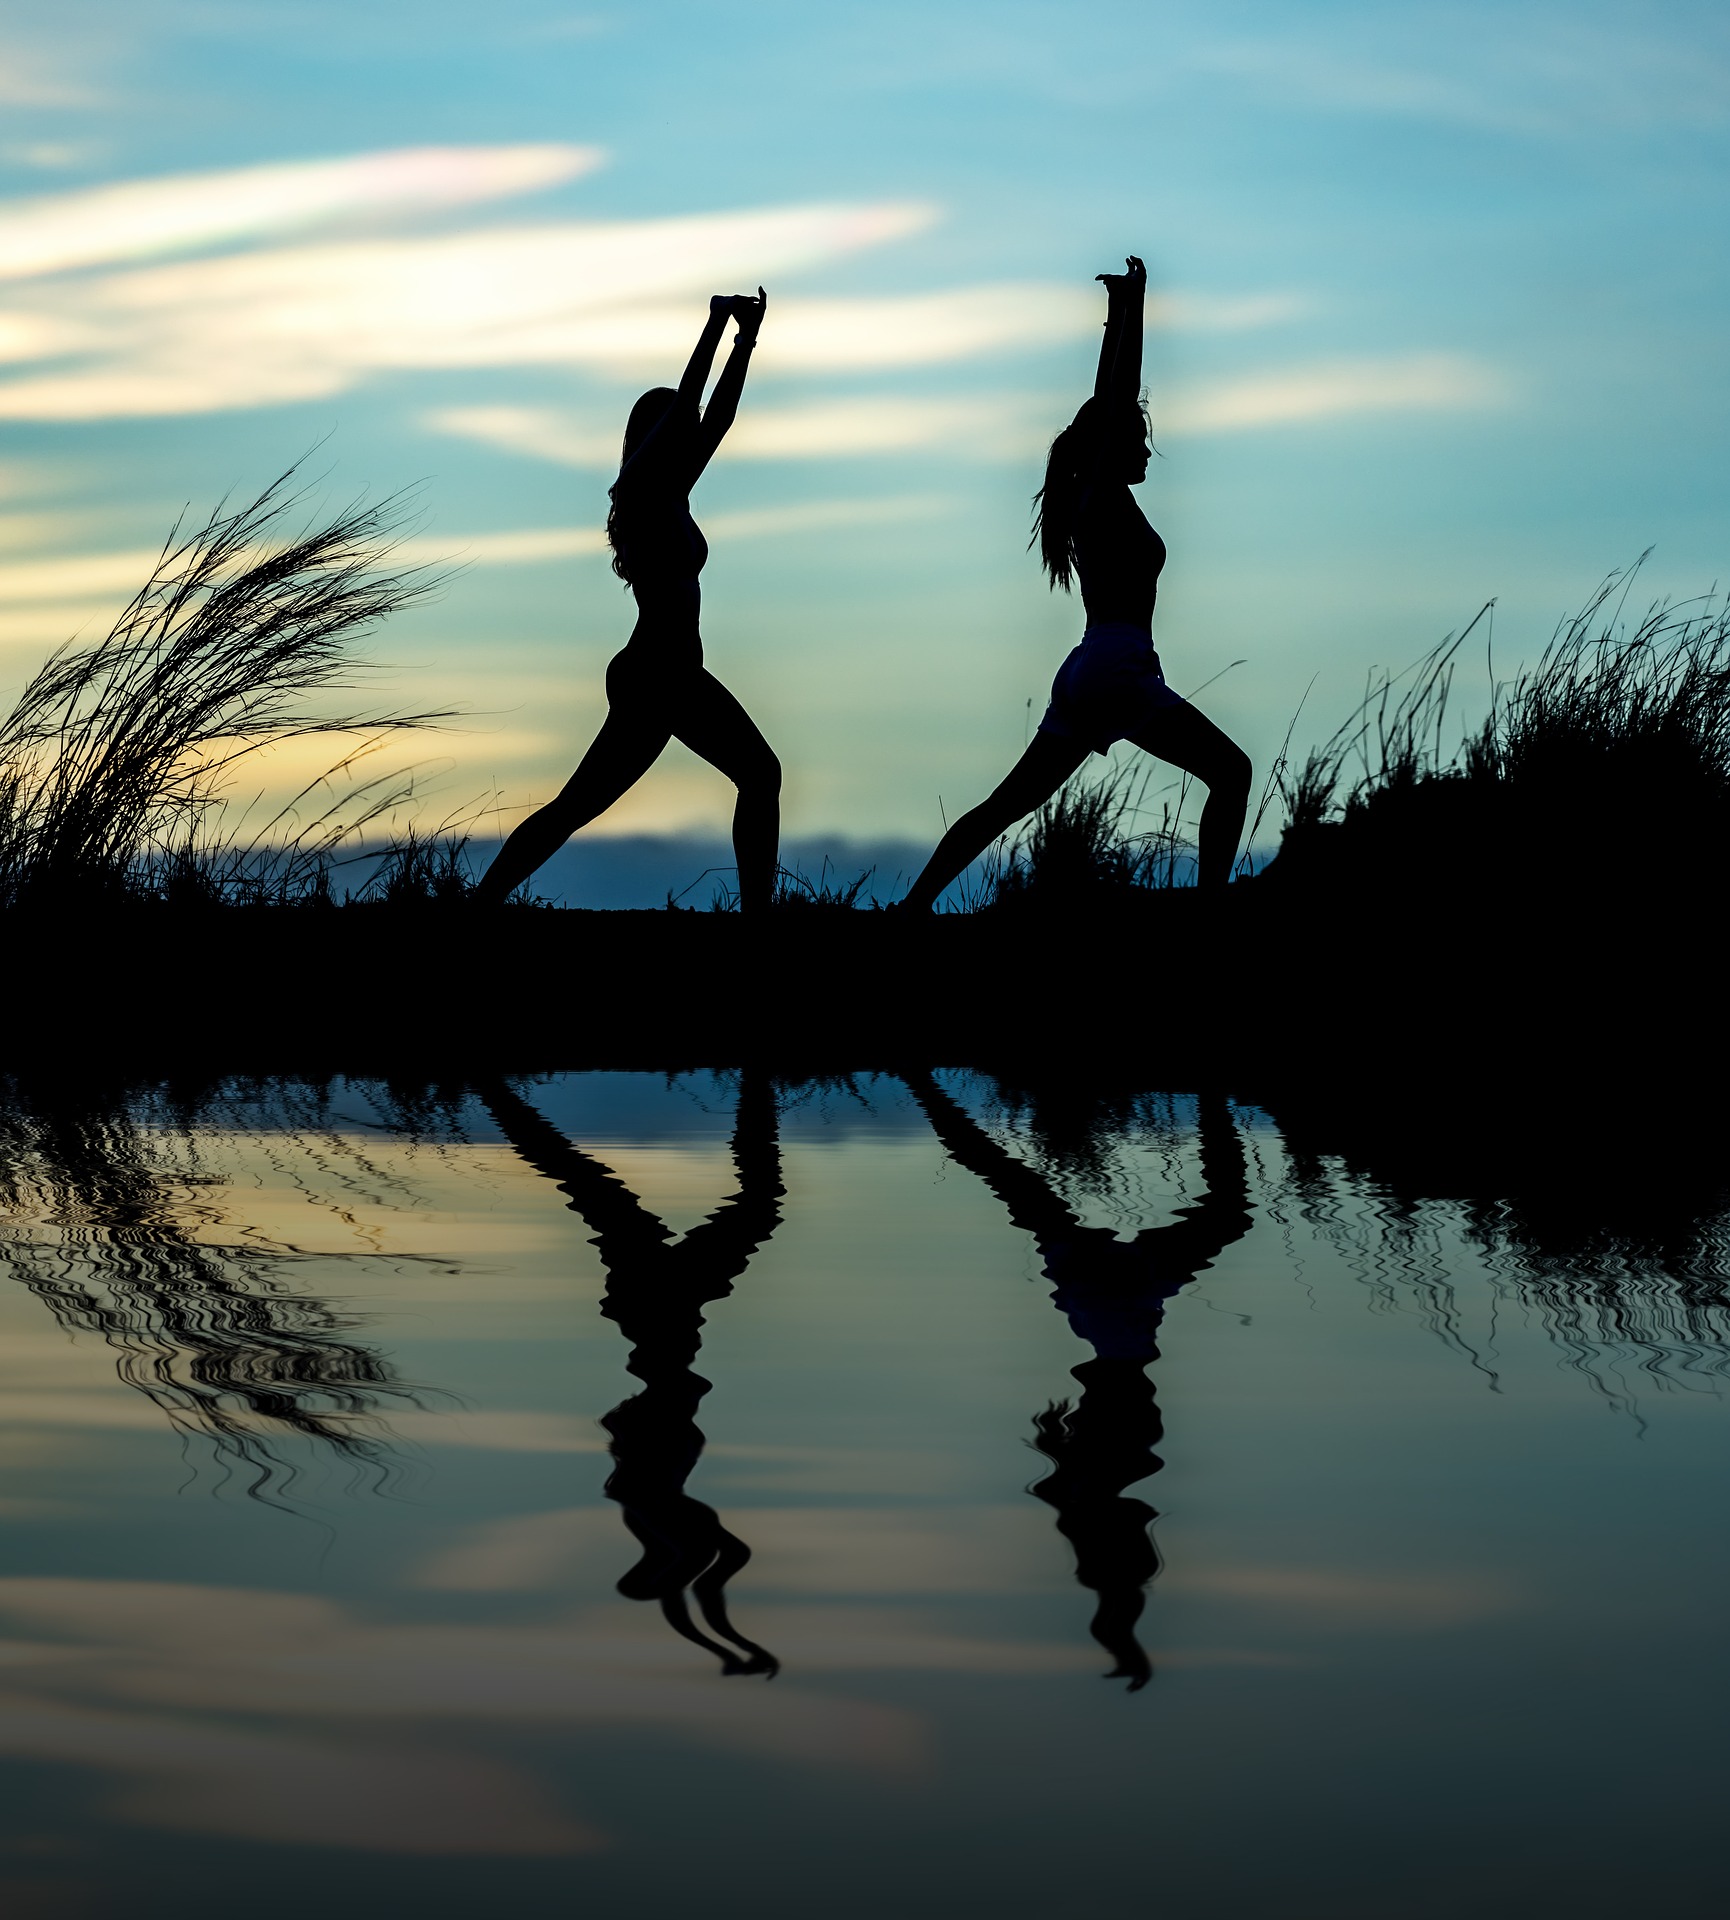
point(1118, 558)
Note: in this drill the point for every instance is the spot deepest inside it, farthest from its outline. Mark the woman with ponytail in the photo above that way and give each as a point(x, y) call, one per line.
point(658, 688)
point(1089, 529)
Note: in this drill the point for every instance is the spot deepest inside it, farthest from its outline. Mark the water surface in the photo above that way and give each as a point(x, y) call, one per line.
point(623, 1493)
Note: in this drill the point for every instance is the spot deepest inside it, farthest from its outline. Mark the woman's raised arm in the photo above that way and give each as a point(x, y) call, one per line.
point(664, 440)
point(1119, 375)
point(696, 374)
point(723, 405)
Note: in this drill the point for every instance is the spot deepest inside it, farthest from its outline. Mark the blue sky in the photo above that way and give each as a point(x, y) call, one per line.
point(1439, 316)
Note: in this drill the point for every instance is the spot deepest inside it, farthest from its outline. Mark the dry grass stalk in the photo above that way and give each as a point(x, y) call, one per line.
point(116, 753)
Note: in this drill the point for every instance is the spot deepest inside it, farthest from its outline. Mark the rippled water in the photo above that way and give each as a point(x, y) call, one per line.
point(620, 1494)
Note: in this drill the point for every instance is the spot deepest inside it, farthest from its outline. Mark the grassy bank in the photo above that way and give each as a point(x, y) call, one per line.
point(1270, 978)
point(1520, 892)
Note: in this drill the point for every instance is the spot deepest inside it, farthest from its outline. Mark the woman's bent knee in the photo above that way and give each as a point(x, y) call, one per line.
point(1230, 772)
point(761, 780)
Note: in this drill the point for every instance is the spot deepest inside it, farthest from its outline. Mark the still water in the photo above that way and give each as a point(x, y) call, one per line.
point(614, 1493)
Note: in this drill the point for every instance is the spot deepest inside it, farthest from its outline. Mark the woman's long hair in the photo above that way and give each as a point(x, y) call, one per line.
point(1070, 469)
point(646, 416)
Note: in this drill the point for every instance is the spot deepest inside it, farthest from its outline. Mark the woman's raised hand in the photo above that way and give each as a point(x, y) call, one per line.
point(749, 311)
point(1131, 281)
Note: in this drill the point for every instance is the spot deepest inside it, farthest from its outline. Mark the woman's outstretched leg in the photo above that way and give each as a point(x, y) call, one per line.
point(626, 747)
point(1049, 760)
point(1188, 739)
point(712, 723)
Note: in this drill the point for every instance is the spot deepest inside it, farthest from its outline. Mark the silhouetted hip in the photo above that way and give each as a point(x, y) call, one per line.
point(656, 670)
point(1108, 689)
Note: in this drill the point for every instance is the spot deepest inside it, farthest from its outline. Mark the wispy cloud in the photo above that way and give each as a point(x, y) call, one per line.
point(1529, 70)
point(1009, 426)
point(30, 77)
point(76, 576)
point(135, 219)
point(1323, 390)
point(991, 426)
point(45, 588)
point(289, 323)
point(269, 320)
point(530, 546)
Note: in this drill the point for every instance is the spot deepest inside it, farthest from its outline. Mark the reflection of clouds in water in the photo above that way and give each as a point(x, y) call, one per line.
point(844, 1553)
point(289, 1790)
point(1335, 1598)
point(159, 1684)
point(816, 1550)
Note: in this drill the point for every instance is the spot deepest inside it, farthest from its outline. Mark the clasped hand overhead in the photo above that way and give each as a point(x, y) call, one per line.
point(1133, 281)
point(747, 309)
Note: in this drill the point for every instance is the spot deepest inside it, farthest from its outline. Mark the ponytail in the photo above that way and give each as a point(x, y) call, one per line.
point(646, 416)
point(1054, 507)
point(1071, 468)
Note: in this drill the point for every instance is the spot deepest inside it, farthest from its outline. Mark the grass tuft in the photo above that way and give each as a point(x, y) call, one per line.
point(1083, 847)
point(1610, 756)
point(116, 754)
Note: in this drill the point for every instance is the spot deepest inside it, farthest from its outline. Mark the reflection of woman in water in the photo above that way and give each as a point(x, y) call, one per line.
point(1114, 1293)
point(656, 1293)
point(657, 687)
point(1111, 687)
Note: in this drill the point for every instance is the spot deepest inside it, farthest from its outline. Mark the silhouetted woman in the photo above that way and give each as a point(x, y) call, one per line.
point(1111, 687)
point(656, 1293)
point(657, 686)
point(1113, 1293)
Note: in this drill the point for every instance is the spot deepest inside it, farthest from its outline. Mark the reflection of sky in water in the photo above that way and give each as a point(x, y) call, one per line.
point(1423, 1576)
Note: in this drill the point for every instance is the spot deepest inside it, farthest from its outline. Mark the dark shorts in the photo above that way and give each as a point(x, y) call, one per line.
point(1110, 688)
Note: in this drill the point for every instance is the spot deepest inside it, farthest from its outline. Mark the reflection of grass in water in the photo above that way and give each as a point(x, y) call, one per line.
point(116, 754)
point(211, 1333)
point(1615, 1241)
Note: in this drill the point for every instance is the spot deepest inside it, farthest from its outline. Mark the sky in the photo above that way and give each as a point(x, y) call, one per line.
point(1437, 317)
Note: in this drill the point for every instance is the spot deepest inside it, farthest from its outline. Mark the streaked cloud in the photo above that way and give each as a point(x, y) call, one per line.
point(268, 319)
point(1511, 70)
point(543, 433)
point(979, 426)
point(45, 589)
point(304, 322)
point(1329, 389)
point(908, 330)
point(1011, 426)
point(31, 77)
point(76, 576)
point(134, 219)
point(1224, 313)
point(48, 155)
